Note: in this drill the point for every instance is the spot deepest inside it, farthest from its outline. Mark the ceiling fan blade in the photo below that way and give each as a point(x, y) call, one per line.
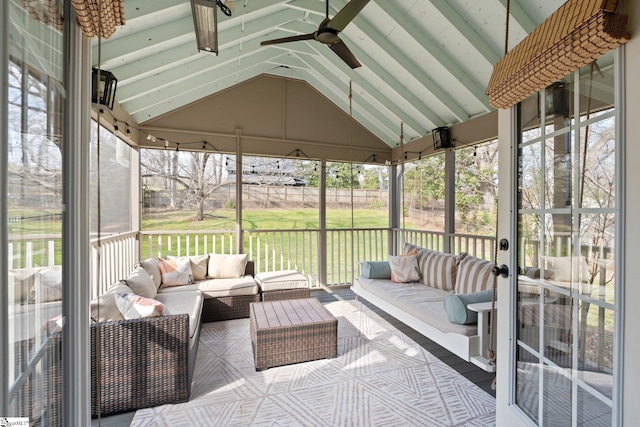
point(346, 14)
point(344, 53)
point(289, 39)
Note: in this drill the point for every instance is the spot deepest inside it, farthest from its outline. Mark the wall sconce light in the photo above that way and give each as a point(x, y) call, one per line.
point(205, 22)
point(441, 138)
point(103, 92)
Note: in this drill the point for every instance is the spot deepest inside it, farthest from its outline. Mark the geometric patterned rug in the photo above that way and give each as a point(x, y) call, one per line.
point(380, 378)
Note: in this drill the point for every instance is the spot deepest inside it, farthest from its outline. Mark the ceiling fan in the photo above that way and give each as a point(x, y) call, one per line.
point(328, 30)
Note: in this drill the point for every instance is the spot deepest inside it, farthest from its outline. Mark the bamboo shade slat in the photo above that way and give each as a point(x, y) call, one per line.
point(50, 13)
point(112, 15)
point(575, 35)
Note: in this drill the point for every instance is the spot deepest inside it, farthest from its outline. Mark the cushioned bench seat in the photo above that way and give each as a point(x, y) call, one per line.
point(423, 302)
point(215, 288)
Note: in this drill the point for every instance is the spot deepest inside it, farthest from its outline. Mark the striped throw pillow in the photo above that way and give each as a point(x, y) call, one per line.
point(439, 270)
point(474, 275)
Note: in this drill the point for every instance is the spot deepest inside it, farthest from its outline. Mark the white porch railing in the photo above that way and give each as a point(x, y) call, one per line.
point(26, 251)
point(114, 257)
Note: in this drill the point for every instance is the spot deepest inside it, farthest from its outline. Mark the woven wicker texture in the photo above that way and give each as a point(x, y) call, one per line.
point(286, 294)
point(575, 35)
point(144, 363)
point(292, 331)
point(40, 397)
point(94, 23)
point(227, 308)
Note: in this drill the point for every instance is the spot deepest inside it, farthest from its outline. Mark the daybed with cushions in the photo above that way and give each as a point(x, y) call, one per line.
point(426, 290)
point(148, 326)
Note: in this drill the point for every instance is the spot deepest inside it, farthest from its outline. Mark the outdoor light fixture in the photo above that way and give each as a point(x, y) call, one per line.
point(441, 138)
point(205, 21)
point(103, 92)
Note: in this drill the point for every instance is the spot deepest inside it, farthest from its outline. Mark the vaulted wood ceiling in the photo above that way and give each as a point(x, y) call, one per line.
point(425, 63)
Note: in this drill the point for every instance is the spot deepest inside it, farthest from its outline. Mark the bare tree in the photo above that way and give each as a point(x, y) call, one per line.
point(191, 177)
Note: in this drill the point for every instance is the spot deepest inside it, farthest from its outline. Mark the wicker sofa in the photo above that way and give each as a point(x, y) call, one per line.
point(421, 304)
point(148, 362)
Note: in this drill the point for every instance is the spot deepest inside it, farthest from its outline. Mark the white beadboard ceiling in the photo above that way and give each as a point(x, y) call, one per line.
point(425, 63)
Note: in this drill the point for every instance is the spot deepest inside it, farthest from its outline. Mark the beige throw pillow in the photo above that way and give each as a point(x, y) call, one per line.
point(47, 286)
point(227, 266)
point(561, 268)
point(141, 283)
point(152, 267)
point(104, 308)
point(199, 264)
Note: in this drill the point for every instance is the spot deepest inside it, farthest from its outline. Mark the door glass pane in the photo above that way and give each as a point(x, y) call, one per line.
point(566, 251)
point(34, 212)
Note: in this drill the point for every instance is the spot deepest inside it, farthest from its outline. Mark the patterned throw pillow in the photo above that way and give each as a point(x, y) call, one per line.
point(47, 286)
point(474, 275)
point(175, 272)
point(199, 265)
point(404, 268)
point(439, 270)
point(134, 306)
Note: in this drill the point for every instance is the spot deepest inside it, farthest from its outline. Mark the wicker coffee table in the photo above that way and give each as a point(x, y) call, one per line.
point(292, 331)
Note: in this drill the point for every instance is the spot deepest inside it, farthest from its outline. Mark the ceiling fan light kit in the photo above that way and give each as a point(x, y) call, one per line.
point(327, 32)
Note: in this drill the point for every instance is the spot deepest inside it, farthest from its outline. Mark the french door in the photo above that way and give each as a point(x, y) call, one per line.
point(564, 369)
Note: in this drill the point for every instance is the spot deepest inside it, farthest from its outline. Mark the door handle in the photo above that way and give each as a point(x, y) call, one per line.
point(502, 270)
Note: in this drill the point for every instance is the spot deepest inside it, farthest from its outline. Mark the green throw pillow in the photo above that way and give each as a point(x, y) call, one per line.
point(376, 270)
point(456, 306)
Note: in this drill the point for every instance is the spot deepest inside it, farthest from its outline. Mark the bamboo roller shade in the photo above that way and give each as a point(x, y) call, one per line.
point(50, 12)
point(575, 35)
point(112, 15)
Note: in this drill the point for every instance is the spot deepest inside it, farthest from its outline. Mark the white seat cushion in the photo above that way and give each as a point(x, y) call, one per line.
point(189, 302)
point(214, 288)
point(281, 280)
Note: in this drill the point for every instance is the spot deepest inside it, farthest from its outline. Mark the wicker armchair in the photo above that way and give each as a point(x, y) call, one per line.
point(143, 363)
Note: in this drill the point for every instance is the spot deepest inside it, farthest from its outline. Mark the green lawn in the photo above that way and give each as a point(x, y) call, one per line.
point(266, 219)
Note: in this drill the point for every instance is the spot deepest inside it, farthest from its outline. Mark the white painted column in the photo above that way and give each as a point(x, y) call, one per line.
point(76, 343)
point(505, 412)
point(631, 212)
point(4, 233)
point(239, 231)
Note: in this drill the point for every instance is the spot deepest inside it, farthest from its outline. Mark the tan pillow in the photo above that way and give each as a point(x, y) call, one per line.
point(560, 268)
point(141, 283)
point(151, 266)
point(474, 275)
point(47, 286)
point(23, 280)
point(198, 265)
point(106, 303)
point(227, 266)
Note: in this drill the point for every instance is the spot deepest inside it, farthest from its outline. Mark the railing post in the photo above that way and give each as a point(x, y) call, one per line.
point(449, 199)
point(322, 217)
point(394, 208)
point(239, 232)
